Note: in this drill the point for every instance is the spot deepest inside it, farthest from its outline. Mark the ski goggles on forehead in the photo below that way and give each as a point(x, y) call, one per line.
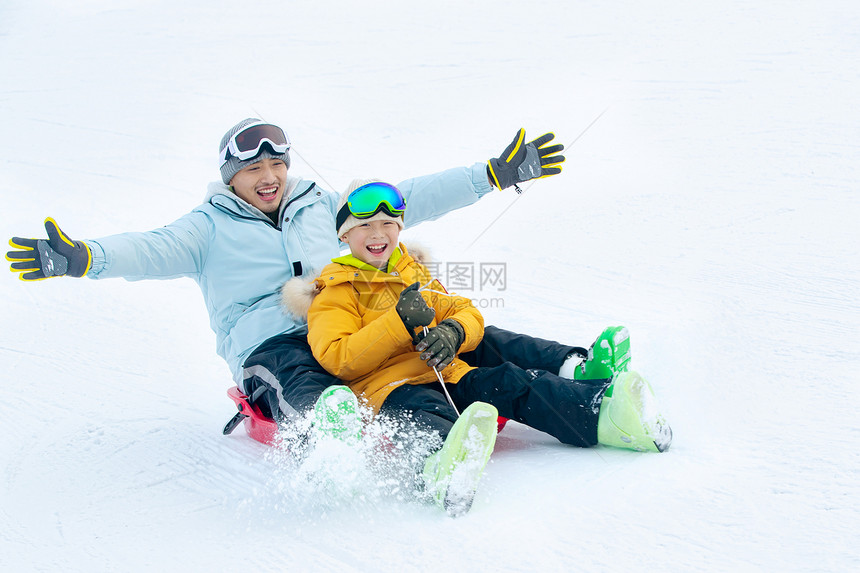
point(370, 199)
point(248, 142)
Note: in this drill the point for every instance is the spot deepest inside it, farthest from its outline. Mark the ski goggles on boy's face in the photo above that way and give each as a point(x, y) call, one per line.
point(370, 199)
point(248, 142)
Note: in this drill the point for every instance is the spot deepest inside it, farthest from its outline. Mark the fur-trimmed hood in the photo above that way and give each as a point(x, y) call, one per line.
point(298, 293)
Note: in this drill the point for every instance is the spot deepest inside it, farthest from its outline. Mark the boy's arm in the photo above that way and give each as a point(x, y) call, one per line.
point(464, 312)
point(460, 328)
point(341, 345)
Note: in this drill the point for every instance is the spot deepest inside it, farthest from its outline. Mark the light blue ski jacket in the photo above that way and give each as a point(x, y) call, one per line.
point(240, 259)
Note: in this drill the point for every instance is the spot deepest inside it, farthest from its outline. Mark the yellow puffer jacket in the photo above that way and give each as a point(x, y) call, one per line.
point(357, 335)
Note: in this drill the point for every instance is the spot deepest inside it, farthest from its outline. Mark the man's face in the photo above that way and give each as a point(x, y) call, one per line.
point(262, 184)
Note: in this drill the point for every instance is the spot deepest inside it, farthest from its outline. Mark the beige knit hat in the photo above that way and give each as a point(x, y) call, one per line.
point(353, 221)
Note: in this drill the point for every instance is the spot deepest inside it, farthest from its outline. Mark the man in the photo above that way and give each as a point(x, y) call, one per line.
point(258, 228)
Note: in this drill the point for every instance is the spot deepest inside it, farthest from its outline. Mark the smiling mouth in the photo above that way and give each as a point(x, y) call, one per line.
point(376, 249)
point(268, 193)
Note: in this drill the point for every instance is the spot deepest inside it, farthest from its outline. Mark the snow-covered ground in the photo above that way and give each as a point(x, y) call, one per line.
point(712, 209)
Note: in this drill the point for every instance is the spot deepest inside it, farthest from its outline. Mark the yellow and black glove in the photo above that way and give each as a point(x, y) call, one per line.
point(38, 259)
point(523, 161)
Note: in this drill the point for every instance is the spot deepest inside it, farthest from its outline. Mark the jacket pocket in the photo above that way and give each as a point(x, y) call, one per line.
point(235, 313)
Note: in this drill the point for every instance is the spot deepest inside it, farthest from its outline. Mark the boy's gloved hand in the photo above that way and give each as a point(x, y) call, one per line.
point(413, 310)
point(521, 162)
point(440, 345)
point(38, 259)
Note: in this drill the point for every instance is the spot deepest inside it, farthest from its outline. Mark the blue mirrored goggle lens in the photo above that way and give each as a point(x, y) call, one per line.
point(365, 201)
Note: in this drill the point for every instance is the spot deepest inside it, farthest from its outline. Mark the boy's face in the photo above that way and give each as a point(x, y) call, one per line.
point(262, 184)
point(373, 242)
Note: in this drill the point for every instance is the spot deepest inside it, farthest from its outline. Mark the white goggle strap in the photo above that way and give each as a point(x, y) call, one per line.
point(231, 150)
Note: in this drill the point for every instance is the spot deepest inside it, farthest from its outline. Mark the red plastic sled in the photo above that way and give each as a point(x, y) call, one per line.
point(258, 426)
point(261, 427)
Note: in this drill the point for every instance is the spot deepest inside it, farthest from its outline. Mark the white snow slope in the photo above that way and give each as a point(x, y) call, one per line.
point(712, 209)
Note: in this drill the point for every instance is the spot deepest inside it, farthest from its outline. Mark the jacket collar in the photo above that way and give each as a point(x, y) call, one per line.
point(222, 196)
point(351, 260)
point(347, 268)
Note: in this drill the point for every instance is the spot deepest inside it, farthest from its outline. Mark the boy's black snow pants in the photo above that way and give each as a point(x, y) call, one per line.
point(566, 409)
point(293, 380)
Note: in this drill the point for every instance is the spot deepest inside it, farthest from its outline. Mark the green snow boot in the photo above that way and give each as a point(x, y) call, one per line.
point(630, 417)
point(609, 355)
point(451, 475)
point(336, 415)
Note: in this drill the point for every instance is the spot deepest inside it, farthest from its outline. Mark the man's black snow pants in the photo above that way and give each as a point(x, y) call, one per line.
point(517, 377)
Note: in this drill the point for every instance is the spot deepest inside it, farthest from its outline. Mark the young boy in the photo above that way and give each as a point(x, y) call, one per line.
point(371, 326)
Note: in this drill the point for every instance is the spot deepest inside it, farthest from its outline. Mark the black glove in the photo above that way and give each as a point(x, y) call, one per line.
point(413, 310)
point(440, 345)
point(521, 162)
point(39, 259)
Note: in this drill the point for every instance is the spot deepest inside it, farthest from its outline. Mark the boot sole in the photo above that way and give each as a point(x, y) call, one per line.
point(466, 452)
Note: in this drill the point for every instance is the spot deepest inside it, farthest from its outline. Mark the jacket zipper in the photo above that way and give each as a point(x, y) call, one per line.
point(287, 204)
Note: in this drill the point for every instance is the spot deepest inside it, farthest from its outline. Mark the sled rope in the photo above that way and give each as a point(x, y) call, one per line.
point(442, 382)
